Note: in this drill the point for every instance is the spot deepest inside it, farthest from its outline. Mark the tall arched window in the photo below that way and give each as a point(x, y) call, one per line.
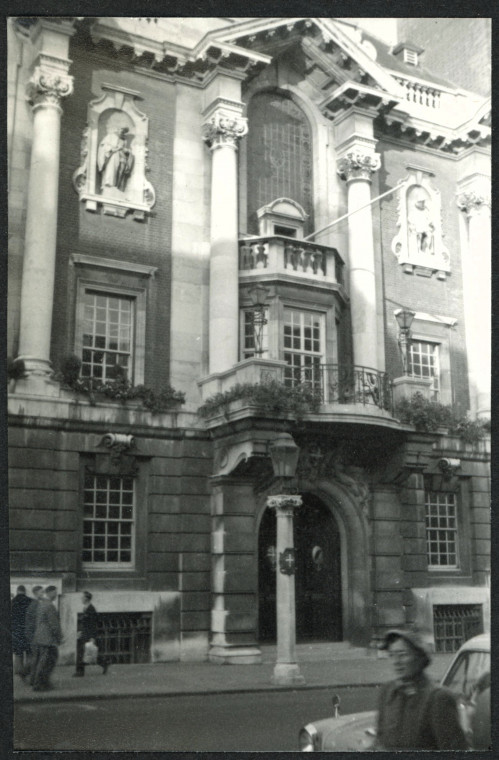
point(279, 155)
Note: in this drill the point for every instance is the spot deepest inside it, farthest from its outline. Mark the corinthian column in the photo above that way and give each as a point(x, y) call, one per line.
point(48, 85)
point(357, 169)
point(222, 131)
point(475, 205)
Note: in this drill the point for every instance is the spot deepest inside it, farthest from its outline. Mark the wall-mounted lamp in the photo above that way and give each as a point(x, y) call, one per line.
point(258, 295)
point(284, 455)
point(404, 319)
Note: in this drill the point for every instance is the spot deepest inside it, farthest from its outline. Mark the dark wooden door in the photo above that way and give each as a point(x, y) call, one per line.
point(318, 574)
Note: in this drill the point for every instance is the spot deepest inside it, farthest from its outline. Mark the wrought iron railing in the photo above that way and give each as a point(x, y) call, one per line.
point(344, 384)
point(281, 254)
point(454, 624)
point(124, 637)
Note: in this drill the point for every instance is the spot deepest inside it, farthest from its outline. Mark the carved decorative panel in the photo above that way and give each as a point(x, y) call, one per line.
point(418, 244)
point(113, 163)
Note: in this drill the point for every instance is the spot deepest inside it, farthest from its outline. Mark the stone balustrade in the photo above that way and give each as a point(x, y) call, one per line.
point(281, 255)
point(422, 94)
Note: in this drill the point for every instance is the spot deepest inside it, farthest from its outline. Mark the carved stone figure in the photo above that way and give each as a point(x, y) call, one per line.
point(114, 159)
point(420, 223)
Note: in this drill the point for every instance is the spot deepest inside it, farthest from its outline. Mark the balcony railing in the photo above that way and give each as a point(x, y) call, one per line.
point(422, 94)
point(274, 255)
point(344, 384)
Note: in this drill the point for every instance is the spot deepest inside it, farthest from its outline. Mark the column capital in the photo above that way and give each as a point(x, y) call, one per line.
point(284, 503)
point(49, 82)
point(472, 202)
point(358, 165)
point(224, 128)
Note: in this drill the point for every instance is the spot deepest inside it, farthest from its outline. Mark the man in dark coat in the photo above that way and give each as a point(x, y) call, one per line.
point(30, 627)
point(88, 632)
point(20, 646)
point(48, 636)
point(413, 712)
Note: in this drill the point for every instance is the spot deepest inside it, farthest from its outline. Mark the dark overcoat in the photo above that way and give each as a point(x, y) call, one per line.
point(418, 716)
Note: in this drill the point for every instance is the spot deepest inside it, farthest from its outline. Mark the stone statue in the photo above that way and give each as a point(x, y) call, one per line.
point(420, 224)
point(114, 159)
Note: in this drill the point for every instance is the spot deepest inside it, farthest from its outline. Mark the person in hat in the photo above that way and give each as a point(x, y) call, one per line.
point(88, 632)
point(413, 712)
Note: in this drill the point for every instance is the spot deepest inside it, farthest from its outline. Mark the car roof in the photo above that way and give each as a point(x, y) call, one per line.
point(481, 642)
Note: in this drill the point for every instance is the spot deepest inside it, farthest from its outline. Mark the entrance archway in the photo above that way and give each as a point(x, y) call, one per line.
point(318, 573)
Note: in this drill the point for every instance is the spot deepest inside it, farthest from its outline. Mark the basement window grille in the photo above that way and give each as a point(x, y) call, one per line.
point(453, 624)
point(124, 638)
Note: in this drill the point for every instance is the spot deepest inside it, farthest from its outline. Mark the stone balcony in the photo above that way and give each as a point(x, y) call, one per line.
point(290, 258)
point(347, 393)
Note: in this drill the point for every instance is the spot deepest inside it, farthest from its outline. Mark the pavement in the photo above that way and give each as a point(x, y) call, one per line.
point(323, 666)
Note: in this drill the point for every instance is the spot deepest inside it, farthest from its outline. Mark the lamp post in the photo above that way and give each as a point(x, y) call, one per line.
point(404, 319)
point(284, 455)
point(258, 295)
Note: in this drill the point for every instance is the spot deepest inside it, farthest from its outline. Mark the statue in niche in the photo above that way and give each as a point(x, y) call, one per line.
point(421, 227)
point(114, 159)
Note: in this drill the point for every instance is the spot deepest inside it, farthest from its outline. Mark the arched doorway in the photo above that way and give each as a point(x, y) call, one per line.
point(318, 573)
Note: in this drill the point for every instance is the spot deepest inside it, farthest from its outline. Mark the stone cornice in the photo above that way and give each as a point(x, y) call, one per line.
point(355, 94)
point(358, 165)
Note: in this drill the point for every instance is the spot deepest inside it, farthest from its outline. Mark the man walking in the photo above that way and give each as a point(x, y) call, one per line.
point(20, 647)
point(30, 626)
point(87, 632)
point(47, 638)
point(413, 712)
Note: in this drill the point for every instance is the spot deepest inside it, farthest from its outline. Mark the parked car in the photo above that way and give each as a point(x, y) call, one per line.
point(468, 676)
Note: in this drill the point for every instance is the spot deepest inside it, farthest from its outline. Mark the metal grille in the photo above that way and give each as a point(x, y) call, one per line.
point(453, 624)
point(125, 637)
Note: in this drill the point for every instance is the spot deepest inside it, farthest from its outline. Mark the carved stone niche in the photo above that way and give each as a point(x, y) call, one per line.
point(418, 244)
point(112, 173)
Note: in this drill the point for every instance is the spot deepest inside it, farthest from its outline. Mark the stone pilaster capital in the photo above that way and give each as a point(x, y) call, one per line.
point(49, 83)
point(284, 504)
point(472, 202)
point(358, 165)
point(224, 128)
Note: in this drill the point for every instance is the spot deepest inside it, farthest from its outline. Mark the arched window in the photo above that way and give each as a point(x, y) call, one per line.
point(279, 155)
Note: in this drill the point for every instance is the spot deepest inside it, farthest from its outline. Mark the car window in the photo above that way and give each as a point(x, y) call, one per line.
point(467, 669)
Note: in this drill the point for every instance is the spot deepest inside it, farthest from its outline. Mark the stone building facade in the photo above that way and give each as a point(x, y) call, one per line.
point(162, 172)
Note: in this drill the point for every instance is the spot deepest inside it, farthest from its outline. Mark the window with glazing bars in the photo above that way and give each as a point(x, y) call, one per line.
point(108, 520)
point(303, 347)
point(441, 529)
point(108, 323)
point(424, 363)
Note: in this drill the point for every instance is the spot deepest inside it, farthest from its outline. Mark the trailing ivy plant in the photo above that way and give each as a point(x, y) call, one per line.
point(427, 416)
point(272, 397)
point(117, 388)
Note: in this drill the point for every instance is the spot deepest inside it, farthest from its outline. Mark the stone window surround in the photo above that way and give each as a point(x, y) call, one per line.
point(92, 273)
point(463, 501)
point(429, 329)
point(100, 463)
point(105, 565)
